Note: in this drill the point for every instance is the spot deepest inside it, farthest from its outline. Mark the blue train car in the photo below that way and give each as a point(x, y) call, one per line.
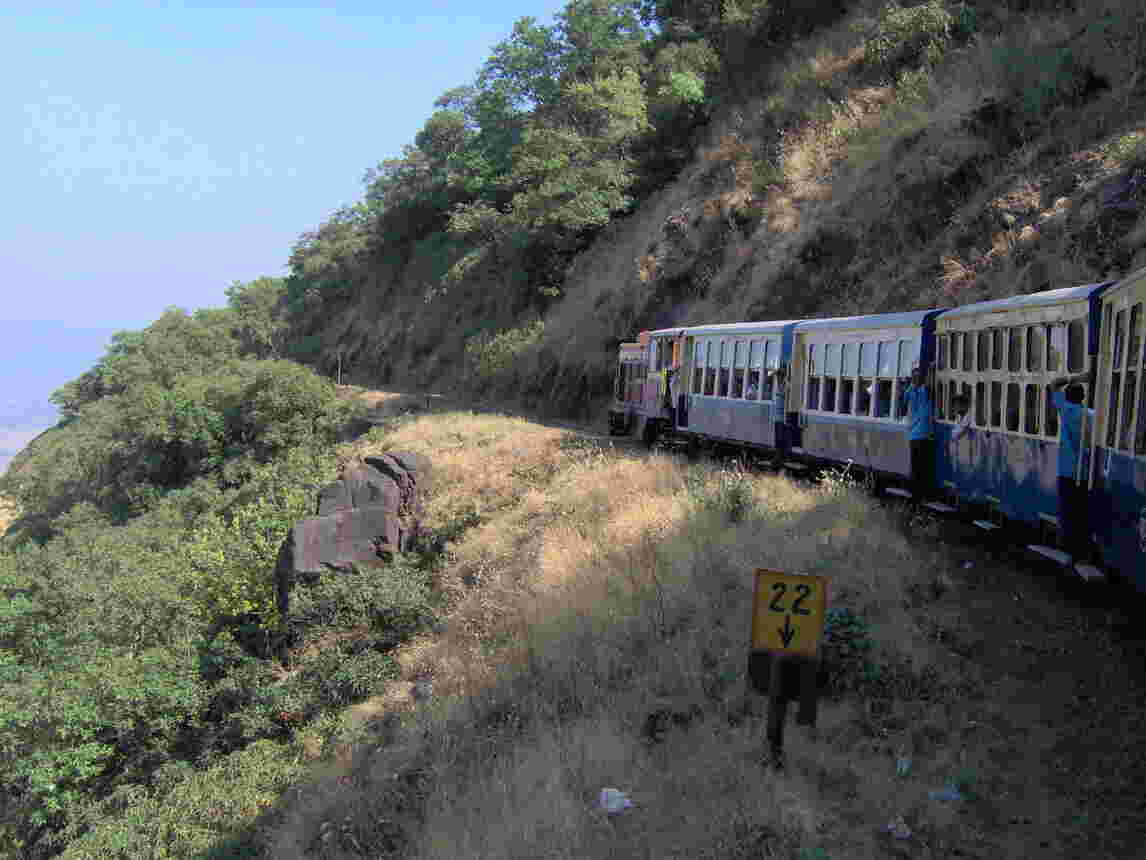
point(1003, 356)
point(848, 377)
point(1118, 473)
point(730, 383)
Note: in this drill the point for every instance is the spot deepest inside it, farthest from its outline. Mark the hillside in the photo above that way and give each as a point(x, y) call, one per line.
point(578, 607)
point(878, 157)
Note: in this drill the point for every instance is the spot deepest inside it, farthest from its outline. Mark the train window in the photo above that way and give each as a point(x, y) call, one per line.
point(1050, 413)
point(1036, 349)
point(1128, 391)
point(1140, 430)
point(847, 395)
point(996, 404)
point(851, 359)
point(1031, 410)
point(1076, 346)
point(755, 348)
point(1134, 356)
point(698, 368)
point(998, 339)
point(710, 369)
point(813, 376)
point(737, 369)
point(1014, 406)
point(1112, 411)
point(969, 351)
point(883, 398)
point(725, 367)
point(868, 366)
point(1119, 339)
point(956, 348)
point(887, 363)
point(1015, 354)
point(832, 359)
point(830, 387)
point(940, 405)
point(771, 361)
point(981, 404)
point(908, 357)
point(831, 372)
point(888, 358)
point(653, 354)
point(941, 355)
point(952, 393)
point(1056, 346)
point(983, 362)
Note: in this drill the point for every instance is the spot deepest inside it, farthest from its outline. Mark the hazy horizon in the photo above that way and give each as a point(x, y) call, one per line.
point(161, 151)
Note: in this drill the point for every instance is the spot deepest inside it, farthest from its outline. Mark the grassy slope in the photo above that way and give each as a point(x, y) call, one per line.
point(878, 196)
point(600, 607)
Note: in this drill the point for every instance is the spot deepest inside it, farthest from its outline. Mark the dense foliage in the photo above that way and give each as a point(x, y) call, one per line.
point(136, 587)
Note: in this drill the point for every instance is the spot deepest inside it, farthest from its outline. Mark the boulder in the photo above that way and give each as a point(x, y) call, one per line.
point(361, 486)
point(366, 516)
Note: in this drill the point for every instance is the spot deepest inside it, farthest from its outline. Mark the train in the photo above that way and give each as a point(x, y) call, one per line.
point(805, 395)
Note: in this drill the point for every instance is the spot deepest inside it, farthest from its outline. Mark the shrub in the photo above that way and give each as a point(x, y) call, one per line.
point(491, 357)
point(847, 647)
point(393, 601)
point(909, 35)
point(728, 493)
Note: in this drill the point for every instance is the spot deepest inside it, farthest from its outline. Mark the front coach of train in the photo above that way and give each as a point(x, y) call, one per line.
point(1118, 463)
point(628, 386)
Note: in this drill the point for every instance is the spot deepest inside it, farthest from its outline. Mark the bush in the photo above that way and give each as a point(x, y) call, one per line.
point(907, 36)
point(727, 492)
point(847, 648)
point(491, 357)
point(393, 601)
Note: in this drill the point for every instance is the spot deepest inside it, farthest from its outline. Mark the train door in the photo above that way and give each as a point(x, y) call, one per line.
point(684, 382)
point(793, 393)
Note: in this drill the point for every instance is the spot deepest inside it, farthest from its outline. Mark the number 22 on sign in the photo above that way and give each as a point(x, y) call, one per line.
point(788, 612)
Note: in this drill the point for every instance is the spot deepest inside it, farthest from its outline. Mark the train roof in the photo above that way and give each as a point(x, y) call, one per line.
point(1031, 300)
point(906, 318)
point(726, 328)
point(1129, 281)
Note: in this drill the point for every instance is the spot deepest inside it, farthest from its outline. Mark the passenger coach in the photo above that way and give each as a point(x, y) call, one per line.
point(1118, 473)
point(731, 383)
point(848, 378)
point(1003, 356)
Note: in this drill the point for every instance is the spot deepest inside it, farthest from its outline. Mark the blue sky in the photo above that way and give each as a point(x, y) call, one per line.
point(159, 151)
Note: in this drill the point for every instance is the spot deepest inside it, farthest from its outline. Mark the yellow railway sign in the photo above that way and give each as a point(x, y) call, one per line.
point(788, 612)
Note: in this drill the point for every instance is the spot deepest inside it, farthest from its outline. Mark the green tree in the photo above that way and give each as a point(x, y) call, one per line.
point(260, 325)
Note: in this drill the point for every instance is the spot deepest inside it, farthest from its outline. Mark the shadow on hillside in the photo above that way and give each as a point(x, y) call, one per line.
point(1013, 659)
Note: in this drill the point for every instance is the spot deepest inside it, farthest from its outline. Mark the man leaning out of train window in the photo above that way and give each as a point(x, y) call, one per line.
point(917, 399)
point(1071, 492)
point(962, 406)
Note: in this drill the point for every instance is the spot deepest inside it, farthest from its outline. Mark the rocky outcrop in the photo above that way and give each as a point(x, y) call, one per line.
point(370, 513)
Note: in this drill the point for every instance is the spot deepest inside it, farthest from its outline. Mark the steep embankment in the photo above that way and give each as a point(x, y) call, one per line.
point(898, 158)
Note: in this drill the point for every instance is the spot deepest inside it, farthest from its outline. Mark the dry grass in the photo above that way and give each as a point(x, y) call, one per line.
point(599, 590)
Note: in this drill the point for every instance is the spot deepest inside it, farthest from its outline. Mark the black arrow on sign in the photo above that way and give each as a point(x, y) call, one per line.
point(787, 632)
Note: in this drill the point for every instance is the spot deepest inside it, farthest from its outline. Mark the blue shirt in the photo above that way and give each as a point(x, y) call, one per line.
point(1070, 439)
point(918, 412)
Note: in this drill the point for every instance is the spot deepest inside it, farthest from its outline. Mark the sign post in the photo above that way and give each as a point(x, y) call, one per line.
point(787, 624)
